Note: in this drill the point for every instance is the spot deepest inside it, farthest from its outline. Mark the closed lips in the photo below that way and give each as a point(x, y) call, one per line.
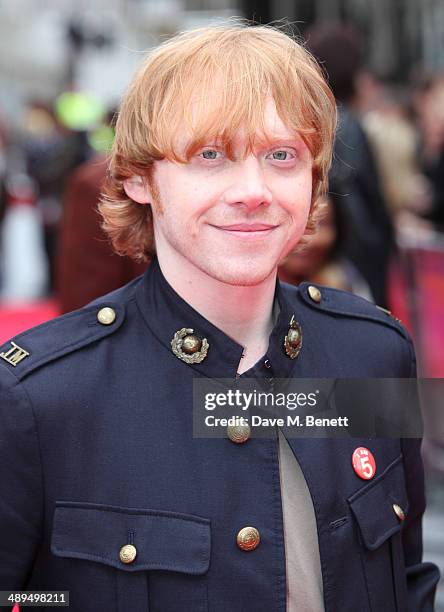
point(245, 227)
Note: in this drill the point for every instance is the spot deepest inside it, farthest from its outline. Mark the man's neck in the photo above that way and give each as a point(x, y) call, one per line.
point(244, 313)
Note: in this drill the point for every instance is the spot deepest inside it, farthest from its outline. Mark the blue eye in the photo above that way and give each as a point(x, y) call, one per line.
point(280, 155)
point(209, 154)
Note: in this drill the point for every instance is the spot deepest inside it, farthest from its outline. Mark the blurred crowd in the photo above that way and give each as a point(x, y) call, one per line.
point(385, 201)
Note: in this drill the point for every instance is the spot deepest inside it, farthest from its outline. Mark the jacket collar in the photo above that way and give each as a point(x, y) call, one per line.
point(165, 313)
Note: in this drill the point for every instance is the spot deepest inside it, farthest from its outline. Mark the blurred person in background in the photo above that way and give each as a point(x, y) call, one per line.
point(52, 150)
point(23, 260)
point(370, 241)
point(429, 107)
point(23, 257)
point(321, 260)
point(87, 265)
point(428, 97)
point(394, 140)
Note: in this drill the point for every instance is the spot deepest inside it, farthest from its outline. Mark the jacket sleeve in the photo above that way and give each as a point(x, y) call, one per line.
point(21, 498)
point(422, 577)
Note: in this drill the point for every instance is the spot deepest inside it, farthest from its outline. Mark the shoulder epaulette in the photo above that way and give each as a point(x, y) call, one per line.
point(347, 304)
point(60, 336)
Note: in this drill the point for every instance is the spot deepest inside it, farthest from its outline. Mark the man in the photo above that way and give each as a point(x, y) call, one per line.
point(222, 149)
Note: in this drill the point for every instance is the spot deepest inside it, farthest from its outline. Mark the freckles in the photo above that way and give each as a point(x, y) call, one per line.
point(193, 233)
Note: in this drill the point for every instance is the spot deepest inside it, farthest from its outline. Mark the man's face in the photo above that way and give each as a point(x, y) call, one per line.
point(234, 220)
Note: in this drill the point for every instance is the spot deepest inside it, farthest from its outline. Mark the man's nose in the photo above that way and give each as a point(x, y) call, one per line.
point(249, 187)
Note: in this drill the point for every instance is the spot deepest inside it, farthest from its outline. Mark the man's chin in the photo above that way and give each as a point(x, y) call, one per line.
point(241, 276)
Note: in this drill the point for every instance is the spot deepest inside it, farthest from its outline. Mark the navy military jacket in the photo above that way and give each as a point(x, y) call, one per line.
point(97, 451)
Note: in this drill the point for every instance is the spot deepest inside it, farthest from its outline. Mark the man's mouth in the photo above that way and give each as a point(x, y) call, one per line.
point(247, 228)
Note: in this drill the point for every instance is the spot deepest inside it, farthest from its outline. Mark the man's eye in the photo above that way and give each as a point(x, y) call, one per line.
point(210, 154)
point(281, 155)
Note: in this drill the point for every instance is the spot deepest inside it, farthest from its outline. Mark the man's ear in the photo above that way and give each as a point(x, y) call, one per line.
point(137, 189)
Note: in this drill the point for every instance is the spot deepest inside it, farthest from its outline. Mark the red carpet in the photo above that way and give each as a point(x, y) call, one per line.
point(16, 318)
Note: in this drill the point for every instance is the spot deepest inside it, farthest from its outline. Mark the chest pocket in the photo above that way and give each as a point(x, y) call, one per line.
point(164, 567)
point(379, 529)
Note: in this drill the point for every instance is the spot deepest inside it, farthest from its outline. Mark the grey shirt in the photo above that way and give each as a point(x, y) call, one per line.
point(303, 565)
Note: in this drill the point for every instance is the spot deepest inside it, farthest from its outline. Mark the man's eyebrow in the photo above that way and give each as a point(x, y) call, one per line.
point(281, 139)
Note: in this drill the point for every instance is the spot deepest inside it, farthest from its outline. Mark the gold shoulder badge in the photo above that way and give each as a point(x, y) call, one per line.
point(15, 355)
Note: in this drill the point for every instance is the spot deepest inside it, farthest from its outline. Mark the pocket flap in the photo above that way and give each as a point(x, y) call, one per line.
point(372, 505)
point(163, 540)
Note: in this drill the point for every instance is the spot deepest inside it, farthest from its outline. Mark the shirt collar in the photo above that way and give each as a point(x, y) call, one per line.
point(165, 312)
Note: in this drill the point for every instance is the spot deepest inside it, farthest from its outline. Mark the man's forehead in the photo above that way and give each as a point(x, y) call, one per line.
point(273, 124)
point(269, 129)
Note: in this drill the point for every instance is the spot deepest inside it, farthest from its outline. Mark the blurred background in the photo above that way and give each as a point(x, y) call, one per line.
point(63, 69)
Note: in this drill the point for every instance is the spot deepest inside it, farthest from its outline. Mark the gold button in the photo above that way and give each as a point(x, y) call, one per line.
point(314, 293)
point(127, 553)
point(248, 538)
point(191, 344)
point(188, 347)
point(399, 512)
point(239, 433)
point(294, 337)
point(106, 316)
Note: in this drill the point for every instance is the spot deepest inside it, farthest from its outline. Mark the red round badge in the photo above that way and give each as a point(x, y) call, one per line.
point(364, 463)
